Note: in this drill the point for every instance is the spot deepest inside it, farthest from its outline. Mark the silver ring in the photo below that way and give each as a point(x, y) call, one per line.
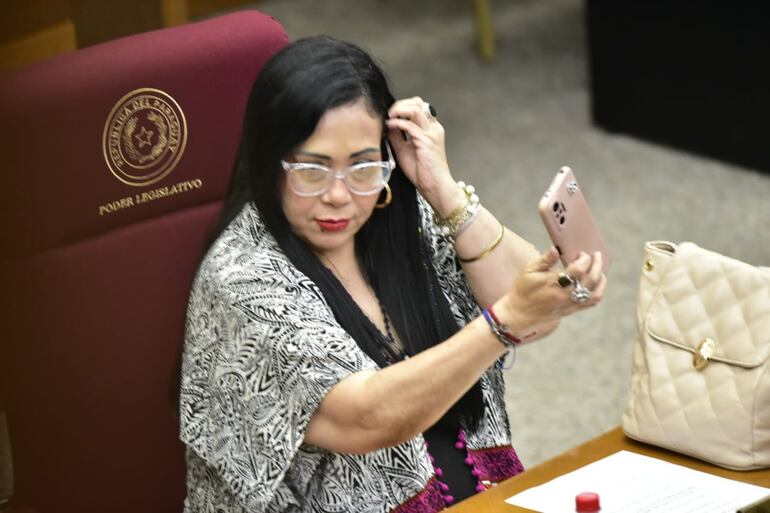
point(429, 111)
point(580, 294)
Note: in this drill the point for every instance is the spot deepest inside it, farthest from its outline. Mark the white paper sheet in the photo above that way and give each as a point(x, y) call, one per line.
point(631, 483)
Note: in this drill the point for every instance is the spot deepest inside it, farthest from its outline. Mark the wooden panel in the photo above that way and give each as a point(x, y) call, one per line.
point(37, 46)
point(98, 21)
point(23, 17)
point(6, 469)
point(199, 8)
point(174, 12)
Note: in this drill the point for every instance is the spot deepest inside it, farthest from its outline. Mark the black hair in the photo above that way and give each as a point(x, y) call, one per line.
point(295, 88)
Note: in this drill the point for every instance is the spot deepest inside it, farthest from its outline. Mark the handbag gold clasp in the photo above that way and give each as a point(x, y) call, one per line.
point(703, 353)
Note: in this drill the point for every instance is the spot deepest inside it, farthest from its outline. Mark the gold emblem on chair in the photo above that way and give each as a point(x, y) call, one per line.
point(144, 137)
point(703, 353)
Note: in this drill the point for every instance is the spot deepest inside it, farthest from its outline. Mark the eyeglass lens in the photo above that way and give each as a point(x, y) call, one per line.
point(360, 179)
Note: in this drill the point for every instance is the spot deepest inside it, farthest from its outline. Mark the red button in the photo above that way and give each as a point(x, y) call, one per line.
point(587, 502)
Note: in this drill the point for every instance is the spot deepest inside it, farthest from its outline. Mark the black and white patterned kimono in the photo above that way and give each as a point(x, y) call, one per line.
point(262, 349)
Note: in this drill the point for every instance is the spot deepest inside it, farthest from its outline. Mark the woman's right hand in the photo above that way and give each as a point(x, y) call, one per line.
point(536, 300)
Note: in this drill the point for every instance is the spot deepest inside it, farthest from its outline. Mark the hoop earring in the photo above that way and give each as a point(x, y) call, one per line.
point(388, 198)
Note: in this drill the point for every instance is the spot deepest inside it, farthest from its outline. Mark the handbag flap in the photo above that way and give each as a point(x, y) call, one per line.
point(707, 295)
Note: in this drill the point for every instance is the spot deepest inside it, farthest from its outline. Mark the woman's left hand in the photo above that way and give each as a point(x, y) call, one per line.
point(423, 156)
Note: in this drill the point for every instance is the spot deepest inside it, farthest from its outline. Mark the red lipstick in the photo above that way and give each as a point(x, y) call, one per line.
point(332, 225)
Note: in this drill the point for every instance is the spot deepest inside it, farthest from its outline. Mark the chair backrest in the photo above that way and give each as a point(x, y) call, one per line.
point(115, 160)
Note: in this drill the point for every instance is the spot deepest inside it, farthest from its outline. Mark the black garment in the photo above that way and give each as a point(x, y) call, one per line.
point(441, 444)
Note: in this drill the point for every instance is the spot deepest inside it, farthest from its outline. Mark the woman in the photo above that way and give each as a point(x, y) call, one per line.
point(336, 356)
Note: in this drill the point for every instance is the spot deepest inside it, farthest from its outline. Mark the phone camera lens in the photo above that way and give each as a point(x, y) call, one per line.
point(561, 220)
point(555, 207)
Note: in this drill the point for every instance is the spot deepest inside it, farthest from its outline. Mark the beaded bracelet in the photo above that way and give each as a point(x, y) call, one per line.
point(460, 217)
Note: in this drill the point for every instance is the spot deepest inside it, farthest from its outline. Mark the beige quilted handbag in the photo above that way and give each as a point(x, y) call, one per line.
point(701, 371)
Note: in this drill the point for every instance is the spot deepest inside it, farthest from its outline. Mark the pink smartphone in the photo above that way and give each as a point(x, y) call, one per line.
point(568, 220)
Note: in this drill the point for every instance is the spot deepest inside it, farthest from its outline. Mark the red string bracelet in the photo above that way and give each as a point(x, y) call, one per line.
point(499, 329)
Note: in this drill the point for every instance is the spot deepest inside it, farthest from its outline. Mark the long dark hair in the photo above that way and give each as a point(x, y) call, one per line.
point(295, 88)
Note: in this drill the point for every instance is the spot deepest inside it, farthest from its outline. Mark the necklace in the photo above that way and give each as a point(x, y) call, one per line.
point(388, 332)
point(392, 349)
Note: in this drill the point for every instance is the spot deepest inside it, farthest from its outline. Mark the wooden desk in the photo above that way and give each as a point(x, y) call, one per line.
point(493, 500)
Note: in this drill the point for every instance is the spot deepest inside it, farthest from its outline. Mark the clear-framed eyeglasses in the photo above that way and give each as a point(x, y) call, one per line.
point(364, 178)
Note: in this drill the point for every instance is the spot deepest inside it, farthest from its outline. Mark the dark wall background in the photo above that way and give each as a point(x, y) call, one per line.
point(695, 75)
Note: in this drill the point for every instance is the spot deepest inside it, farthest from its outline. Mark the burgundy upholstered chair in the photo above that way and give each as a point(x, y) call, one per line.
point(114, 160)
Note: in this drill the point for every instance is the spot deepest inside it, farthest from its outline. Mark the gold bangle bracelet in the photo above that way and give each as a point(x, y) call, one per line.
point(489, 249)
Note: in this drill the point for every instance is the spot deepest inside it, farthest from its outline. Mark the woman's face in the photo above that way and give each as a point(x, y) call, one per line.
point(328, 223)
